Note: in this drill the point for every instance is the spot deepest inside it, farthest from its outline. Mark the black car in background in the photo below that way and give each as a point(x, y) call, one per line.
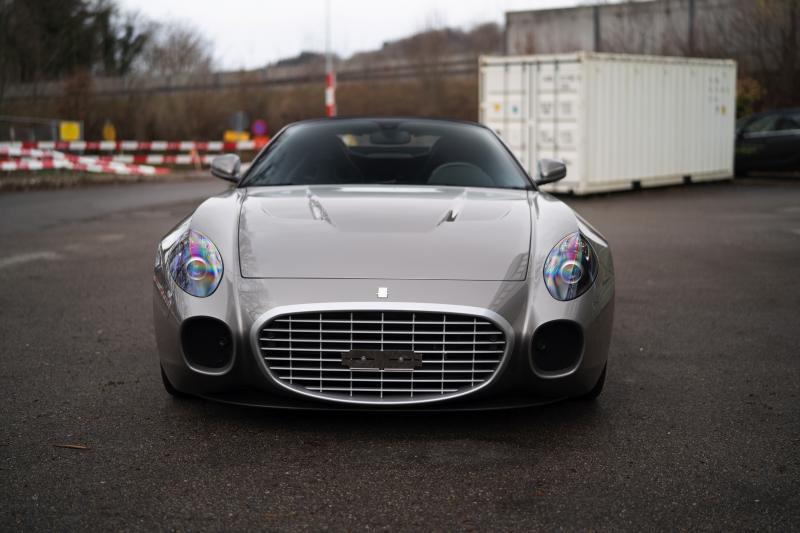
point(768, 141)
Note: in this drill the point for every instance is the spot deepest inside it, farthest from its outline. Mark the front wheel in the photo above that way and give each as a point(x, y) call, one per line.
point(597, 389)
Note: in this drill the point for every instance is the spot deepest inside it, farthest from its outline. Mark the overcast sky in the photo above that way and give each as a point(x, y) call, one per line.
point(251, 33)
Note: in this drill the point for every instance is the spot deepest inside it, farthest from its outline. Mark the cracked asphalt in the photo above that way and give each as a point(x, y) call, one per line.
point(698, 427)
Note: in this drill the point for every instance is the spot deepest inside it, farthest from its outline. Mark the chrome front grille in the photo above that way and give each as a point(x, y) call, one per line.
point(450, 353)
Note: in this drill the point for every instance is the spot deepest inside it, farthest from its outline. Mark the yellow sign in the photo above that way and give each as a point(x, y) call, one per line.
point(109, 131)
point(232, 136)
point(69, 130)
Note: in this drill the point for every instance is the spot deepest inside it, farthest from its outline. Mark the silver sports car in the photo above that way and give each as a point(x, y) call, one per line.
point(385, 264)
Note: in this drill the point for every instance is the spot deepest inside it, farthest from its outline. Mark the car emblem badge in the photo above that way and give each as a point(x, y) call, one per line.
point(383, 292)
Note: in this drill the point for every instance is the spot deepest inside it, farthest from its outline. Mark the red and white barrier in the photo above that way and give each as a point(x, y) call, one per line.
point(37, 159)
point(38, 155)
point(150, 159)
point(141, 159)
point(138, 146)
point(18, 151)
point(66, 164)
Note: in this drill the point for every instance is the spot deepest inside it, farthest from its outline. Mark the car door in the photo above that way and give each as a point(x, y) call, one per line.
point(784, 146)
point(754, 142)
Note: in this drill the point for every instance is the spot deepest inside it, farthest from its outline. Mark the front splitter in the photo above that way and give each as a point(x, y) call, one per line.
point(247, 398)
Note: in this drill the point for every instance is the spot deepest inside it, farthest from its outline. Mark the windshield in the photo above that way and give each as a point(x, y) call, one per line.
point(387, 151)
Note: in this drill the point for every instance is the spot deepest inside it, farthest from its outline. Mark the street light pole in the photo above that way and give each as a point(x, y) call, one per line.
point(330, 75)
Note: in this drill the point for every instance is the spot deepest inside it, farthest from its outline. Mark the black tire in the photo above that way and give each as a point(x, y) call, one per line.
point(170, 388)
point(597, 389)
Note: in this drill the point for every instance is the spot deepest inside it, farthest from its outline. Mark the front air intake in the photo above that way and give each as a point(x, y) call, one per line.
point(557, 346)
point(206, 342)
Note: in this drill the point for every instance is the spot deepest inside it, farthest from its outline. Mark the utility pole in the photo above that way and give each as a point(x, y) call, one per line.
point(690, 31)
point(330, 75)
point(598, 46)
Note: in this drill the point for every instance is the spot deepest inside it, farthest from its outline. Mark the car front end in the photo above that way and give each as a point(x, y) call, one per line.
point(367, 296)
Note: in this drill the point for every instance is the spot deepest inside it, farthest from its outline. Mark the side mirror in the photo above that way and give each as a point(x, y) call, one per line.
point(226, 167)
point(550, 170)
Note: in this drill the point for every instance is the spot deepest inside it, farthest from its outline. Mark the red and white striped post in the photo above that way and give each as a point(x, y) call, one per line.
point(330, 94)
point(330, 75)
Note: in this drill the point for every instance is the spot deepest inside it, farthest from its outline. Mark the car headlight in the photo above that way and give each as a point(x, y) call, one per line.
point(195, 264)
point(571, 268)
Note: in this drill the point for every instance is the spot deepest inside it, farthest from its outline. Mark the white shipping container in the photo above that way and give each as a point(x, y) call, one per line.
point(617, 121)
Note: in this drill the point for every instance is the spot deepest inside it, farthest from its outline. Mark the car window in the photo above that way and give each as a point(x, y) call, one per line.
point(763, 124)
point(789, 121)
point(387, 151)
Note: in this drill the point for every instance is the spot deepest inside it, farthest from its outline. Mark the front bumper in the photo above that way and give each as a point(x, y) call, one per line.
point(242, 303)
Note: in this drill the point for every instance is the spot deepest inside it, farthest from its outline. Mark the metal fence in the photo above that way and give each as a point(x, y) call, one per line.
point(23, 129)
point(461, 65)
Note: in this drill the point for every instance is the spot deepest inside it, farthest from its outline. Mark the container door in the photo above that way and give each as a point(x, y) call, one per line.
point(505, 105)
point(555, 111)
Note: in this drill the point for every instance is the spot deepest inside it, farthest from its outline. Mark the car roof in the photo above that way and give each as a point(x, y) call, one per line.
point(773, 112)
point(387, 119)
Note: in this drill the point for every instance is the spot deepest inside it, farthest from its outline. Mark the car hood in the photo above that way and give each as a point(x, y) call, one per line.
point(385, 232)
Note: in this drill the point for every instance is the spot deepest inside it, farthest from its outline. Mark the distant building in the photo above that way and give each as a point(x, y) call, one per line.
point(660, 27)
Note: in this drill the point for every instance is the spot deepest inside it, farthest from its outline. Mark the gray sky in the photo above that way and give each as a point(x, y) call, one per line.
point(251, 33)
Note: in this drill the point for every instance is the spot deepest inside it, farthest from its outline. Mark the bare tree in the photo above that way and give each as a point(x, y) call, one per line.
point(764, 35)
point(486, 38)
point(175, 48)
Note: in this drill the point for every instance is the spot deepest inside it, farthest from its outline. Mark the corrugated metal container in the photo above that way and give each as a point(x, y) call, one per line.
point(618, 121)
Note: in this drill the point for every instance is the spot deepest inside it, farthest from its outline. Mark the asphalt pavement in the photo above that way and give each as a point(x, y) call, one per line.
point(25, 211)
point(698, 427)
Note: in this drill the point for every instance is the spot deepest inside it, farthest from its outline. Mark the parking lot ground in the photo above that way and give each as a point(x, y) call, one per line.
point(698, 428)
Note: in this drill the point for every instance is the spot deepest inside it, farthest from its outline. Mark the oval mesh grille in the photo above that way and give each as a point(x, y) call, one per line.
point(382, 355)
